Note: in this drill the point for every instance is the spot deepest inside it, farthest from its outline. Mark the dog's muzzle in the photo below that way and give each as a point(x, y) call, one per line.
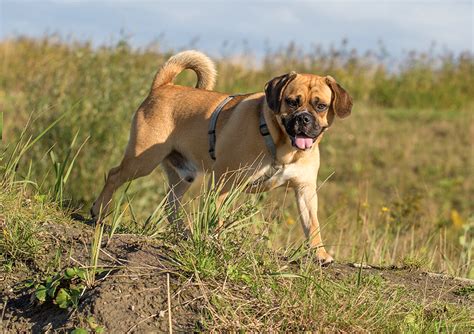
point(303, 129)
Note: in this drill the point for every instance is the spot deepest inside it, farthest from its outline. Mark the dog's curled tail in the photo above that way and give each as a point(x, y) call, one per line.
point(192, 60)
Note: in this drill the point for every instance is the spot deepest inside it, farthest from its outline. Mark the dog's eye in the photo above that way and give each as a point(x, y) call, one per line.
point(292, 103)
point(321, 107)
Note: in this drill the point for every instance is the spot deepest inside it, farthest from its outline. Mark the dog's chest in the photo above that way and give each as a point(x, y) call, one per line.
point(273, 176)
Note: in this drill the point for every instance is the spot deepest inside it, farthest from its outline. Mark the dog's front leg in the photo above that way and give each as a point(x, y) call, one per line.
point(307, 200)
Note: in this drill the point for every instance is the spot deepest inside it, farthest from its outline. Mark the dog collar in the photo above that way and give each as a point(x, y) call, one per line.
point(262, 126)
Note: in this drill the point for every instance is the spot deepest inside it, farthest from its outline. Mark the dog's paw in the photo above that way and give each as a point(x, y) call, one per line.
point(323, 258)
point(95, 216)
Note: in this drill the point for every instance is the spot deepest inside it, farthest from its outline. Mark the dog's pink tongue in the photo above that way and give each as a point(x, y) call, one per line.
point(303, 142)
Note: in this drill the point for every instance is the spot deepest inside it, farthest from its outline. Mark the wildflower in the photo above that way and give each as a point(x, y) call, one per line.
point(456, 218)
point(290, 221)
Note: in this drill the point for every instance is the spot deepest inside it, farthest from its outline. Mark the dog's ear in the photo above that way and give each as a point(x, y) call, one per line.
point(274, 90)
point(341, 102)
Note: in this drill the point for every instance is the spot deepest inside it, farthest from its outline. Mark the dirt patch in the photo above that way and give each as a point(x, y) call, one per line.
point(134, 296)
point(420, 285)
point(134, 303)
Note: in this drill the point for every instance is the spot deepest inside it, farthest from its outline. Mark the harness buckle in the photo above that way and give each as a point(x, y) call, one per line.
point(264, 129)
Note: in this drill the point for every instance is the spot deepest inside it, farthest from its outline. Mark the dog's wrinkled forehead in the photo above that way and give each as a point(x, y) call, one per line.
point(308, 89)
point(304, 89)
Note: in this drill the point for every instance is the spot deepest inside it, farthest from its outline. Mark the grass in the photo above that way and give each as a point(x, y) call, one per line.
point(395, 186)
point(25, 241)
point(249, 286)
point(246, 285)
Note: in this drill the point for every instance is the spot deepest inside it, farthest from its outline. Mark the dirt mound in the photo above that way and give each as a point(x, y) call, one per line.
point(133, 298)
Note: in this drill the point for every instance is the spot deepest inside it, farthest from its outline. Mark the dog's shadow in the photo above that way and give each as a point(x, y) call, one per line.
point(80, 218)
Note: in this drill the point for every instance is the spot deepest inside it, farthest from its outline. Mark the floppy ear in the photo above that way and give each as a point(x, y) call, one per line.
point(341, 102)
point(274, 90)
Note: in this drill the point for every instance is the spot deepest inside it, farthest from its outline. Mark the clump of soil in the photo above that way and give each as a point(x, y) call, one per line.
point(132, 297)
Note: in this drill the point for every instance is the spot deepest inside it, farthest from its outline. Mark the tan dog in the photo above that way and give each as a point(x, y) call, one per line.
point(171, 128)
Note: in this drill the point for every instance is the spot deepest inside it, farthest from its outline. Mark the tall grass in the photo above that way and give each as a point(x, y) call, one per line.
point(23, 207)
point(398, 170)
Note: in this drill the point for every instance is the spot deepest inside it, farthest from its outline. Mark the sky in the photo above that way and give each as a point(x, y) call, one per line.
point(224, 27)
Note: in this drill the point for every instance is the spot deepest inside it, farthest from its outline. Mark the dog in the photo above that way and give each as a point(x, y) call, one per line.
point(170, 128)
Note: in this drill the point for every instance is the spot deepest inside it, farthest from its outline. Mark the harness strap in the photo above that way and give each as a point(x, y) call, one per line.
point(212, 126)
point(262, 126)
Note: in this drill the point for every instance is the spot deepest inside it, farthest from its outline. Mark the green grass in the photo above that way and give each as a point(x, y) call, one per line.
point(24, 236)
point(395, 185)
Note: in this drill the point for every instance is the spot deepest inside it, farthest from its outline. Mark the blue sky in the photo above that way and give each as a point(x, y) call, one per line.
point(207, 25)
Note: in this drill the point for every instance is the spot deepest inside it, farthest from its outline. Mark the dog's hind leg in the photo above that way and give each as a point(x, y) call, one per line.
point(133, 166)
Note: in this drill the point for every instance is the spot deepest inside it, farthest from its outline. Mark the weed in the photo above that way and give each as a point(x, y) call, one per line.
point(63, 289)
point(91, 325)
point(465, 291)
point(91, 271)
point(19, 241)
point(414, 262)
point(63, 169)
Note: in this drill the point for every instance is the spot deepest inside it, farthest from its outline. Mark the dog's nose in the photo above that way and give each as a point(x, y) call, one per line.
point(304, 118)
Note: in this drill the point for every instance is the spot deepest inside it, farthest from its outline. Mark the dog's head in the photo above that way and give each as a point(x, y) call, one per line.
point(305, 105)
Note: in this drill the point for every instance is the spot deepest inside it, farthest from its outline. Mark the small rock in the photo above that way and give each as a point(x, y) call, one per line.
point(361, 265)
